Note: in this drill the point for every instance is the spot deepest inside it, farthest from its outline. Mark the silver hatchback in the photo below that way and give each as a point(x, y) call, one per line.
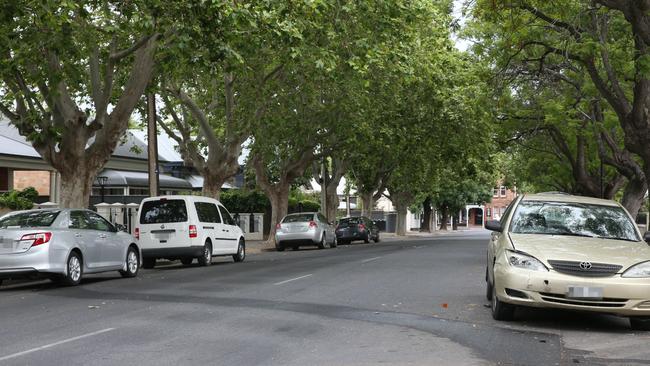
point(305, 228)
point(64, 244)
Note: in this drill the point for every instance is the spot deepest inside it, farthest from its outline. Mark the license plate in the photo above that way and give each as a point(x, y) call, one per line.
point(7, 245)
point(584, 292)
point(162, 237)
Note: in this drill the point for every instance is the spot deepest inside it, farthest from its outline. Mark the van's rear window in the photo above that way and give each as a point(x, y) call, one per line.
point(163, 211)
point(29, 219)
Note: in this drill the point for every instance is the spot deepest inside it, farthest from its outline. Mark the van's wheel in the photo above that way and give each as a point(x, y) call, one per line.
point(241, 252)
point(132, 264)
point(501, 310)
point(187, 261)
point(322, 243)
point(206, 258)
point(640, 323)
point(74, 270)
point(148, 263)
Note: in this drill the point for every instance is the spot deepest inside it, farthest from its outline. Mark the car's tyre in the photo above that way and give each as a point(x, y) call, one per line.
point(187, 261)
point(640, 323)
point(322, 244)
point(206, 258)
point(295, 248)
point(132, 263)
point(488, 286)
point(377, 238)
point(366, 239)
point(74, 270)
point(1, 282)
point(501, 310)
point(148, 263)
point(335, 243)
point(241, 252)
point(279, 247)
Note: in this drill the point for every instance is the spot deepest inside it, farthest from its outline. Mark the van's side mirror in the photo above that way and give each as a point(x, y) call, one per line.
point(494, 225)
point(646, 237)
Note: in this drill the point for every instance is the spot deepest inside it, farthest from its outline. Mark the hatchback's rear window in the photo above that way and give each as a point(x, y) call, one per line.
point(163, 211)
point(352, 221)
point(299, 218)
point(29, 219)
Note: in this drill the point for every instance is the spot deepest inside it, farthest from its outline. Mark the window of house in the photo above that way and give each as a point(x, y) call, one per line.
point(495, 192)
point(138, 191)
point(503, 191)
point(488, 212)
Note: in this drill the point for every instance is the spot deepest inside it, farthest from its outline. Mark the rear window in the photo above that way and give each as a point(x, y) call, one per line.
point(163, 211)
point(29, 219)
point(352, 221)
point(299, 218)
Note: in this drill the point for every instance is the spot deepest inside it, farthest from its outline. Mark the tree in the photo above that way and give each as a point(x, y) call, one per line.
point(71, 74)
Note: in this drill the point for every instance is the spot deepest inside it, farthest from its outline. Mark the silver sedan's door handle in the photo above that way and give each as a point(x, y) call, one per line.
point(103, 236)
point(77, 235)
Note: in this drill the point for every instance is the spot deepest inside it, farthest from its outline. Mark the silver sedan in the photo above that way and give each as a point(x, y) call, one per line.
point(305, 228)
point(64, 244)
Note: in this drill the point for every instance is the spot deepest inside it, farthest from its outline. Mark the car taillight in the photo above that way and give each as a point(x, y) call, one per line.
point(278, 226)
point(37, 239)
point(193, 232)
point(137, 233)
point(313, 224)
point(362, 227)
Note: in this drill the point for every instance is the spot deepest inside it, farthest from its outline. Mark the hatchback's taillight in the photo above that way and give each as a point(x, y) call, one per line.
point(37, 238)
point(362, 227)
point(193, 232)
point(136, 233)
point(313, 224)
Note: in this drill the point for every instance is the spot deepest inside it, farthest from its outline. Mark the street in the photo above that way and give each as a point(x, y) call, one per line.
point(416, 301)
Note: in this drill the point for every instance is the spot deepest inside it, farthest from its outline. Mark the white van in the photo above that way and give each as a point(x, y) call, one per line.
point(187, 227)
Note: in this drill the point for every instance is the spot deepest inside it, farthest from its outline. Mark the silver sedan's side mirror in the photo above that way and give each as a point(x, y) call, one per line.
point(494, 225)
point(120, 227)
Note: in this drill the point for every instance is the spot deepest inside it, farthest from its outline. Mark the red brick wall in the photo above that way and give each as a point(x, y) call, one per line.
point(498, 204)
point(37, 179)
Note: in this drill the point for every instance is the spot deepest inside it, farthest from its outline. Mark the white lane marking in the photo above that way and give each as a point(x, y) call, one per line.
point(370, 260)
point(55, 344)
point(293, 279)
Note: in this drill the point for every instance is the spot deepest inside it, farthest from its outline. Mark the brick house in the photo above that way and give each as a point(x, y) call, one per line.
point(501, 198)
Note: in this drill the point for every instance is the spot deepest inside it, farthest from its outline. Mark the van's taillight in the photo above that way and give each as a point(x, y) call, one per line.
point(136, 233)
point(313, 224)
point(37, 239)
point(193, 232)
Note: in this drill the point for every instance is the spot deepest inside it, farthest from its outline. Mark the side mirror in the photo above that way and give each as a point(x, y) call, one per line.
point(493, 225)
point(120, 227)
point(646, 237)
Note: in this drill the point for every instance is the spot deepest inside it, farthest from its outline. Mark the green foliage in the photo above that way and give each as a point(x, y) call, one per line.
point(19, 200)
point(237, 200)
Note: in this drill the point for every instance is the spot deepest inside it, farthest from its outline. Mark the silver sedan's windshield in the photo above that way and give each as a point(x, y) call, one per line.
point(560, 218)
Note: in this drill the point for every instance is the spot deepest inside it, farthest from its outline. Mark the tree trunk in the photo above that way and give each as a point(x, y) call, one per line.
point(634, 196)
point(212, 184)
point(402, 211)
point(454, 221)
point(76, 186)
point(367, 203)
point(426, 220)
point(444, 213)
point(332, 202)
point(279, 197)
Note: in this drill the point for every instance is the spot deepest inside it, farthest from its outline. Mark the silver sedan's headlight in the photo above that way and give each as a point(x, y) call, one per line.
point(520, 260)
point(638, 270)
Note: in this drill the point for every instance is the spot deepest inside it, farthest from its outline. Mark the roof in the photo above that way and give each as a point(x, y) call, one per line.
point(141, 179)
point(563, 197)
point(12, 143)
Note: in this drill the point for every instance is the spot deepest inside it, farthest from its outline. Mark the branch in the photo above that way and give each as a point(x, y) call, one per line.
point(118, 55)
point(576, 32)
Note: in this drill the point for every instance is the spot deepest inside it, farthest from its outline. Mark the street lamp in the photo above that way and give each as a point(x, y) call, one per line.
point(101, 180)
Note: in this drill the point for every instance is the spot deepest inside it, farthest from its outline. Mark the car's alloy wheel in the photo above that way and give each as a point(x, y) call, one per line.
point(377, 238)
point(132, 263)
point(206, 258)
point(322, 243)
point(335, 243)
point(0, 282)
point(501, 310)
point(241, 252)
point(640, 323)
point(279, 247)
point(74, 270)
point(367, 238)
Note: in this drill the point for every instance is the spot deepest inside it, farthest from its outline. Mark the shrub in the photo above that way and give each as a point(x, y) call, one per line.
point(19, 200)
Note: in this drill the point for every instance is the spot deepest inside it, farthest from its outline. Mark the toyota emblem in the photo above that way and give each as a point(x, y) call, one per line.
point(585, 265)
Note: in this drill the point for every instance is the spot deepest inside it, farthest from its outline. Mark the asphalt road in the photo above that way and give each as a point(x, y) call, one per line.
point(415, 302)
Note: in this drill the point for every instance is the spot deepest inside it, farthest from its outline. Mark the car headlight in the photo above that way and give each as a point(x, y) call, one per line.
point(638, 270)
point(524, 261)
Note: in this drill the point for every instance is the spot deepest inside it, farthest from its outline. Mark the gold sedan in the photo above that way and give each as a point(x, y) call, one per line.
point(560, 251)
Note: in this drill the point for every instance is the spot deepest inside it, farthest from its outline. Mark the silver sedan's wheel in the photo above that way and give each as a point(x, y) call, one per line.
point(74, 270)
point(132, 263)
point(323, 242)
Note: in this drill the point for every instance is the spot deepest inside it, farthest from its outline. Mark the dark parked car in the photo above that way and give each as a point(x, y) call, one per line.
point(357, 228)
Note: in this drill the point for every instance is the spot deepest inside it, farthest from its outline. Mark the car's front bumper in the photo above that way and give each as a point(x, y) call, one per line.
point(35, 260)
point(622, 296)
